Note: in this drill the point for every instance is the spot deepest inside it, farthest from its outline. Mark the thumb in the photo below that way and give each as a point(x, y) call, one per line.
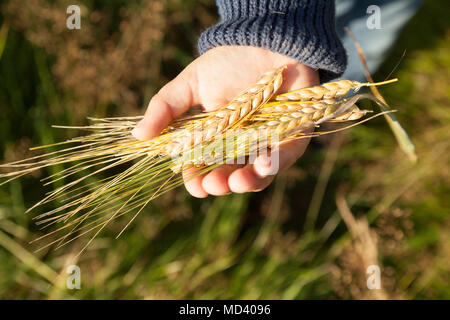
point(171, 101)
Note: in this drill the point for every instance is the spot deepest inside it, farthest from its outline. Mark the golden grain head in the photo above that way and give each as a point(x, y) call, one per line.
point(90, 201)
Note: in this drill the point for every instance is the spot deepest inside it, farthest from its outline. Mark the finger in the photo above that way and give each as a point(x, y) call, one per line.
point(298, 76)
point(289, 151)
point(257, 176)
point(248, 180)
point(216, 181)
point(193, 182)
point(171, 101)
point(276, 159)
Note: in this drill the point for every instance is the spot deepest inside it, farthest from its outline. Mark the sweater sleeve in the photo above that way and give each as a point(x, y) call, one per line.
point(300, 29)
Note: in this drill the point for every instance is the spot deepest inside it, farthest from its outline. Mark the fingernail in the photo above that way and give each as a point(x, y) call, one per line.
point(266, 166)
point(265, 160)
point(137, 131)
point(133, 133)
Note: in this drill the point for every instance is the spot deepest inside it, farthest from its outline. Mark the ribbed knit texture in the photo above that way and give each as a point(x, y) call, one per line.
point(301, 29)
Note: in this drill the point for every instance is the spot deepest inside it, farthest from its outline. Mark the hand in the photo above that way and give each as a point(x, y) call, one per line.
point(211, 81)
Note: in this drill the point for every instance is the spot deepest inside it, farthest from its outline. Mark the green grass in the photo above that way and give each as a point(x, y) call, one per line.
point(252, 246)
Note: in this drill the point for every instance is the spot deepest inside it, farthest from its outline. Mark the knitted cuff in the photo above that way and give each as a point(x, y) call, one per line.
point(300, 29)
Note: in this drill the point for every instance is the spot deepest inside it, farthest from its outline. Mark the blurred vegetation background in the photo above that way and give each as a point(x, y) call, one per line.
point(351, 201)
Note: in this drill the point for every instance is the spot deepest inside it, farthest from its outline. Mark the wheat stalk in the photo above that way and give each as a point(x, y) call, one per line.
point(81, 208)
point(281, 120)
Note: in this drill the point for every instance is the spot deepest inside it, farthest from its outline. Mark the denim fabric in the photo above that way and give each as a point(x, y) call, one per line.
point(306, 30)
point(394, 14)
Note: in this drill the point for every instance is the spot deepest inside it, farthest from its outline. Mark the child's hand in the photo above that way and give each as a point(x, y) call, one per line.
point(211, 81)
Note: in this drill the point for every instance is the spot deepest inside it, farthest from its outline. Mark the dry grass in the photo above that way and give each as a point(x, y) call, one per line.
point(125, 58)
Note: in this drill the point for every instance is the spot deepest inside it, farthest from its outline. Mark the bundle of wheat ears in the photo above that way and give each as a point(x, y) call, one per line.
point(139, 171)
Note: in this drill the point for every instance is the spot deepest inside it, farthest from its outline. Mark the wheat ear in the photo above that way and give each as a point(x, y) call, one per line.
point(280, 120)
point(229, 116)
point(87, 203)
point(329, 90)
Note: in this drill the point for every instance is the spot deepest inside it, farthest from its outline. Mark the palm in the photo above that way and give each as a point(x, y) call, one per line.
point(223, 72)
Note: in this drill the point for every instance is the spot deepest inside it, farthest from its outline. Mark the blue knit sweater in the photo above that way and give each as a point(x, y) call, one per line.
point(301, 29)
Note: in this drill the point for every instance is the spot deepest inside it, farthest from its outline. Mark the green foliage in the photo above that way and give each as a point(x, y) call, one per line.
point(243, 246)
